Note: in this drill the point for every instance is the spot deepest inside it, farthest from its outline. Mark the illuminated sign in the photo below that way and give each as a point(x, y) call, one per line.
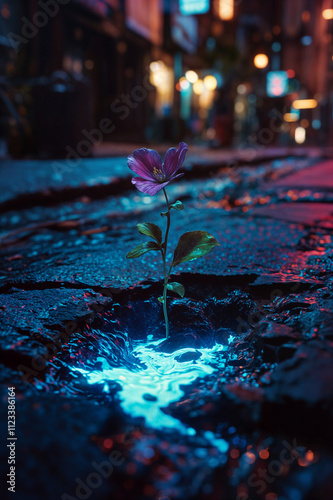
point(188, 7)
point(305, 104)
point(277, 83)
point(184, 31)
point(145, 18)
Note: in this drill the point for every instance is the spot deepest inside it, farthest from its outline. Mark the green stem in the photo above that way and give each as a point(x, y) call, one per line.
point(166, 276)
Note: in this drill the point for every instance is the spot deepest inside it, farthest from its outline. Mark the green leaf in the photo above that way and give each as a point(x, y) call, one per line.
point(193, 245)
point(150, 229)
point(177, 205)
point(160, 299)
point(145, 247)
point(177, 288)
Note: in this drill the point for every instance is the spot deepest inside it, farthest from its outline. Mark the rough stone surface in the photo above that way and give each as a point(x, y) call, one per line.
point(70, 301)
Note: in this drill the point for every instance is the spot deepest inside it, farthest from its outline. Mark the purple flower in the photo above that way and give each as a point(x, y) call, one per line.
point(154, 175)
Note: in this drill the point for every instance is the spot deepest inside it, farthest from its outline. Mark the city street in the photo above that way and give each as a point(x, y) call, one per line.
point(252, 339)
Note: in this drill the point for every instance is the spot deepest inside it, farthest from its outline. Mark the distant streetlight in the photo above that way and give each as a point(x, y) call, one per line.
point(241, 89)
point(191, 76)
point(239, 107)
point(305, 104)
point(184, 84)
point(198, 87)
point(210, 82)
point(300, 135)
point(226, 9)
point(328, 14)
point(260, 61)
point(290, 117)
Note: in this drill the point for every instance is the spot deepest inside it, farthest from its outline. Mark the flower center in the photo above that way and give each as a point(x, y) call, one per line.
point(158, 174)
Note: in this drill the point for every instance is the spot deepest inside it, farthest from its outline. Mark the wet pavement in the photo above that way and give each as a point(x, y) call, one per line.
point(238, 403)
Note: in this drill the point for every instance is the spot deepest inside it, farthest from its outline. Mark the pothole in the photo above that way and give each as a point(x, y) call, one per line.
point(157, 380)
point(124, 351)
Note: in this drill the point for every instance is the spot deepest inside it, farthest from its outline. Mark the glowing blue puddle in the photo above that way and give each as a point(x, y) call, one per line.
point(162, 379)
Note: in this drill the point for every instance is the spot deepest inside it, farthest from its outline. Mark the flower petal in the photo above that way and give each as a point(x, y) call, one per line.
point(174, 159)
point(147, 186)
point(176, 177)
point(143, 161)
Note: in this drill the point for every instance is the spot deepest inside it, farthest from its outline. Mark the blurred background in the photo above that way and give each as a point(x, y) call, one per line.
point(78, 76)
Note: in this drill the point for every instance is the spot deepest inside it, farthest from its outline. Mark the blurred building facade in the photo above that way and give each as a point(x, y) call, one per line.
point(221, 72)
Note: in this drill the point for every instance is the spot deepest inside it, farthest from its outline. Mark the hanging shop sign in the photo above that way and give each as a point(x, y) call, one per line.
point(145, 18)
point(188, 7)
point(277, 83)
point(184, 31)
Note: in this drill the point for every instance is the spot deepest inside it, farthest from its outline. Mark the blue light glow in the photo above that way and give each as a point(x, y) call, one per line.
point(187, 7)
point(276, 47)
point(306, 41)
point(162, 377)
point(277, 83)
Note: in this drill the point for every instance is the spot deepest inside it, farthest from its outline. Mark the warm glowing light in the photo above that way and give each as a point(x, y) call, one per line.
point(241, 89)
point(305, 123)
point(300, 135)
point(263, 454)
point(191, 76)
point(290, 117)
point(157, 72)
point(198, 87)
point(162, 77)
point(226, 9)
point(250, 457)
point(234, 453)
point(184, 84)
point(305, 104)
point(210, 82)
point(291, 73)
point(260, 61)
point(328, 14)
point(156, 65)
point(306, 16)
point(239, 107)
